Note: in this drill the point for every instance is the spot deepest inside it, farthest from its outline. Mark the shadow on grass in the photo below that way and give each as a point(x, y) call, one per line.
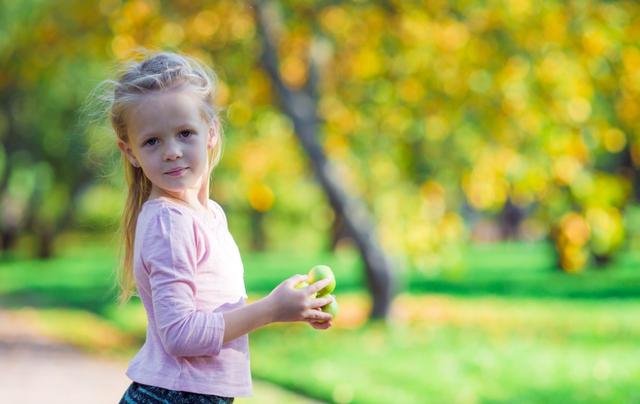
point(568, 290)
point(93, 299)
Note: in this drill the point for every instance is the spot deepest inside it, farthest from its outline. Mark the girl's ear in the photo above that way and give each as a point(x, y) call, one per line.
point(128, 153)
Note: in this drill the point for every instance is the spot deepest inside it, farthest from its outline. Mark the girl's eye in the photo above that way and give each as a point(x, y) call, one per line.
point(186, 133)
point(151, 141)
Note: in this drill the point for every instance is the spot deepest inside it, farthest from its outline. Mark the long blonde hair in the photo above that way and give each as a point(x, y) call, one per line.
point(158, 71)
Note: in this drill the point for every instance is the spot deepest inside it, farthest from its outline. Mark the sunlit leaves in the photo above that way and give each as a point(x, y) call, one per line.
point(261, 197)
point(572, 236)
point(425, 109)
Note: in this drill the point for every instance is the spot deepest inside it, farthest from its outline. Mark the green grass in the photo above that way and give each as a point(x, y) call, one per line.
point(82, 275)
point(521, 269)
point(531, 351)
point(511, 328)
point(87, 280)
point(437, 349)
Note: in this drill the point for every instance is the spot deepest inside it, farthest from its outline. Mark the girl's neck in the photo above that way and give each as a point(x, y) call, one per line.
point(193, 202)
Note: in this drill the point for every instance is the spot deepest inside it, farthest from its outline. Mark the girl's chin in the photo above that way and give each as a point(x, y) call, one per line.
point(172, 189)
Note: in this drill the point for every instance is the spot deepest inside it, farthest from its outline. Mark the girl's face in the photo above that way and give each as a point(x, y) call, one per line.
point(169, 139)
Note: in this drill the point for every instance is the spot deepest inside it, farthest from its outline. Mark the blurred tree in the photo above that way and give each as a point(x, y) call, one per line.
point(301, 106)
point(44, 166)
point(518, 113)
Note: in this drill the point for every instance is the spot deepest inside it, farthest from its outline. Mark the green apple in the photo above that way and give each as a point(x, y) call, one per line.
point(331, 308)
point(320, 272)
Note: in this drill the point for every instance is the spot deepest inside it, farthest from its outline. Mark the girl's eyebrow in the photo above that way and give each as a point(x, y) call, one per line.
point(185, 125)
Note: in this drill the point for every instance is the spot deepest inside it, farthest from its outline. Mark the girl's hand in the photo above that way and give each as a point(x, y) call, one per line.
point(319, 325)
point(288, 303)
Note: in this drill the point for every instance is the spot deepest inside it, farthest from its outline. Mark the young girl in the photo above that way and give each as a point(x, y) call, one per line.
point(178, 252)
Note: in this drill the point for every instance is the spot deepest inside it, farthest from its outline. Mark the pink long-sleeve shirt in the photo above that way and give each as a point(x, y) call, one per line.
point(188, 271)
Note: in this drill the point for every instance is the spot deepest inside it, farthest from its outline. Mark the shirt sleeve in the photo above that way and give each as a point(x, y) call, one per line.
point(169, 253)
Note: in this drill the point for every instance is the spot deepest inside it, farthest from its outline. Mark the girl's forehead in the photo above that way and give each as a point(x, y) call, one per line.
point(159, 111)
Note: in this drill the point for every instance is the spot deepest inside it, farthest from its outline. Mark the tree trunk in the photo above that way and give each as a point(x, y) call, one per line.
point(339, 232)
point(8, 238)
point(46, 237)
point(9, 220)
point(301, 107)
point(510, 219)
point(46, 233)
point(257, 230)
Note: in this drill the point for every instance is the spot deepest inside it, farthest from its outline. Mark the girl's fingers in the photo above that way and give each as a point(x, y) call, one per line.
point(320, 326)
point(316, 315)
point(319, 302)
point(295, 279)
point(315, 287)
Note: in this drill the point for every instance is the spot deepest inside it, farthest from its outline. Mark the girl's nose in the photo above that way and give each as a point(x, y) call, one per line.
point(172, 151)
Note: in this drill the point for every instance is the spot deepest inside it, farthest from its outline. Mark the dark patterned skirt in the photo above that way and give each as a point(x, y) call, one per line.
point(142, 394)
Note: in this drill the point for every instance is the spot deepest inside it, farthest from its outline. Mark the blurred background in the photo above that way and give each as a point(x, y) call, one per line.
point(469, 169)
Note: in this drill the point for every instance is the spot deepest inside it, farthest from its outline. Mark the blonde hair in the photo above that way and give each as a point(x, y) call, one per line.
point(157, 72)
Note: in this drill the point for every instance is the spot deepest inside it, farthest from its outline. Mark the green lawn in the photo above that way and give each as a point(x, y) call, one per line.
point(82, 274)
point(437, 349)
point(526, 351)
point(509, 329)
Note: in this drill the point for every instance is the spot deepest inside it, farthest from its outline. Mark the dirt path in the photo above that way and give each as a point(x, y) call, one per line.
point(37, 369)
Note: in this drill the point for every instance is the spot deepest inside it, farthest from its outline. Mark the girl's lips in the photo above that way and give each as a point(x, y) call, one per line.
point(176, 172)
